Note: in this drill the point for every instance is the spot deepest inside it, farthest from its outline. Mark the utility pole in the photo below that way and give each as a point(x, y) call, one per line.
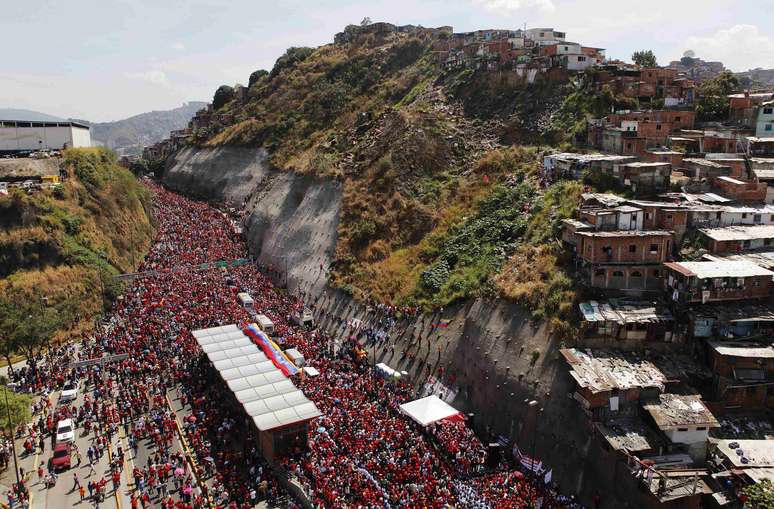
point(533, 404)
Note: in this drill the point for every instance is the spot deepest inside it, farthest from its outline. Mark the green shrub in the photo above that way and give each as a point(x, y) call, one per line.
point(292, 57)
point(72, 224)
point(363, 232)
point(434, 277)
point(223, 95)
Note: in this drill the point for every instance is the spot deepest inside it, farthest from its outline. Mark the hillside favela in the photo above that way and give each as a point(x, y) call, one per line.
point(380, 256)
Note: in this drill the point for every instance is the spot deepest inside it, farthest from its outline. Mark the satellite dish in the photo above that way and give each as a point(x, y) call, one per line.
point(690, 53)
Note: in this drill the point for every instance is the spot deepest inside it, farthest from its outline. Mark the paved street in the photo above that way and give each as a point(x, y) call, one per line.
point(65, 494)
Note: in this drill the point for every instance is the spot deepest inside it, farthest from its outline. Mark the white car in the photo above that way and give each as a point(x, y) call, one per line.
point(69, 392)
point(65, 431)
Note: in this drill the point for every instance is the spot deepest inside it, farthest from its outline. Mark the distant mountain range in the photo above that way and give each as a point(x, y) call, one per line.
point(28, 115)
point(757, 78)
point(127, 136)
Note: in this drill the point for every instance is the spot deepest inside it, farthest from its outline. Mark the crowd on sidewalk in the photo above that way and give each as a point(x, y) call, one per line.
point(362, 452)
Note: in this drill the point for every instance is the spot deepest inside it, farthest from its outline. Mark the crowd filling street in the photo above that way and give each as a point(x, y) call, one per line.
point(149, 429)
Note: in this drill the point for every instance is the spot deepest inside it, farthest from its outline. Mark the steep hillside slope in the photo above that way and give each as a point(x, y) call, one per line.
point(60, 247)
point(434, 202)
point(130, 135)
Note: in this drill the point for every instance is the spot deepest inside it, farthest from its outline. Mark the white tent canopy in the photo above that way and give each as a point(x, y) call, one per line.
point(266, 394)
point(428, 410)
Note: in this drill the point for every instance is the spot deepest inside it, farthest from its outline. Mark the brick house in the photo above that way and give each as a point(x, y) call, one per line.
point(623, 260)
point(622, 218)
point(606, 381)
point(655, 81)
point(712, 281)
point(736, 239)
point(644, 177)
point(573, 165)
point(731, 320)
point(722, 143)
point(704, 169)
point(676, 119)
point(672, 157)
point(705, 216)
point(735, 162)
point(741, 191)
point(743, 373)
point(659, 215)
point(625, 323)
point(618, 140)
point(684, 420)
point(743, 107)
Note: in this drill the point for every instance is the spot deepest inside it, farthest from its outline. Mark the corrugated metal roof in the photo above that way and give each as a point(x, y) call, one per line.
point(627, 233)
point(623, 312)
point(751, 232)
point(703, 270)
point(742, 349)
point(748, 453)
point(674, 410)
point(266, 394)
point(764, 259)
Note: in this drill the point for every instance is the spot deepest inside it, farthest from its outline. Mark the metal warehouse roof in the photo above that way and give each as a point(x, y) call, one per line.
point(265, 393)
point(703, 270)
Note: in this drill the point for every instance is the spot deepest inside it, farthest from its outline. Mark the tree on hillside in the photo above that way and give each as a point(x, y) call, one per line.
point(759, 495)
point(223, 94)
point(10, 317)
point(27, 323)
point(256, 75)
point(713, 102)
point(644, 58)
point(18, 407)
point(292, 56)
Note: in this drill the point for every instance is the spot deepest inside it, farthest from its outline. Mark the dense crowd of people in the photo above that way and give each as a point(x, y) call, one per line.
point(510, 490)
point(362, 452)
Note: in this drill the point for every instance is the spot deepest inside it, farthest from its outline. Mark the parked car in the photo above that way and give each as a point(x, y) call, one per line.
point(69, 392)
point(62, 457)
point(65, 432)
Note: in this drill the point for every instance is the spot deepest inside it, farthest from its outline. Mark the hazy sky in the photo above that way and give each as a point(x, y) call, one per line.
point(108, 59)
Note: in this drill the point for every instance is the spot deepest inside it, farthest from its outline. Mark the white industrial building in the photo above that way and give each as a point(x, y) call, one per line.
point(19, 135)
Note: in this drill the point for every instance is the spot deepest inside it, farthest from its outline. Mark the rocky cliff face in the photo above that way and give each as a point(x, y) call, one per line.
point(292, 219)
point(497, 354)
